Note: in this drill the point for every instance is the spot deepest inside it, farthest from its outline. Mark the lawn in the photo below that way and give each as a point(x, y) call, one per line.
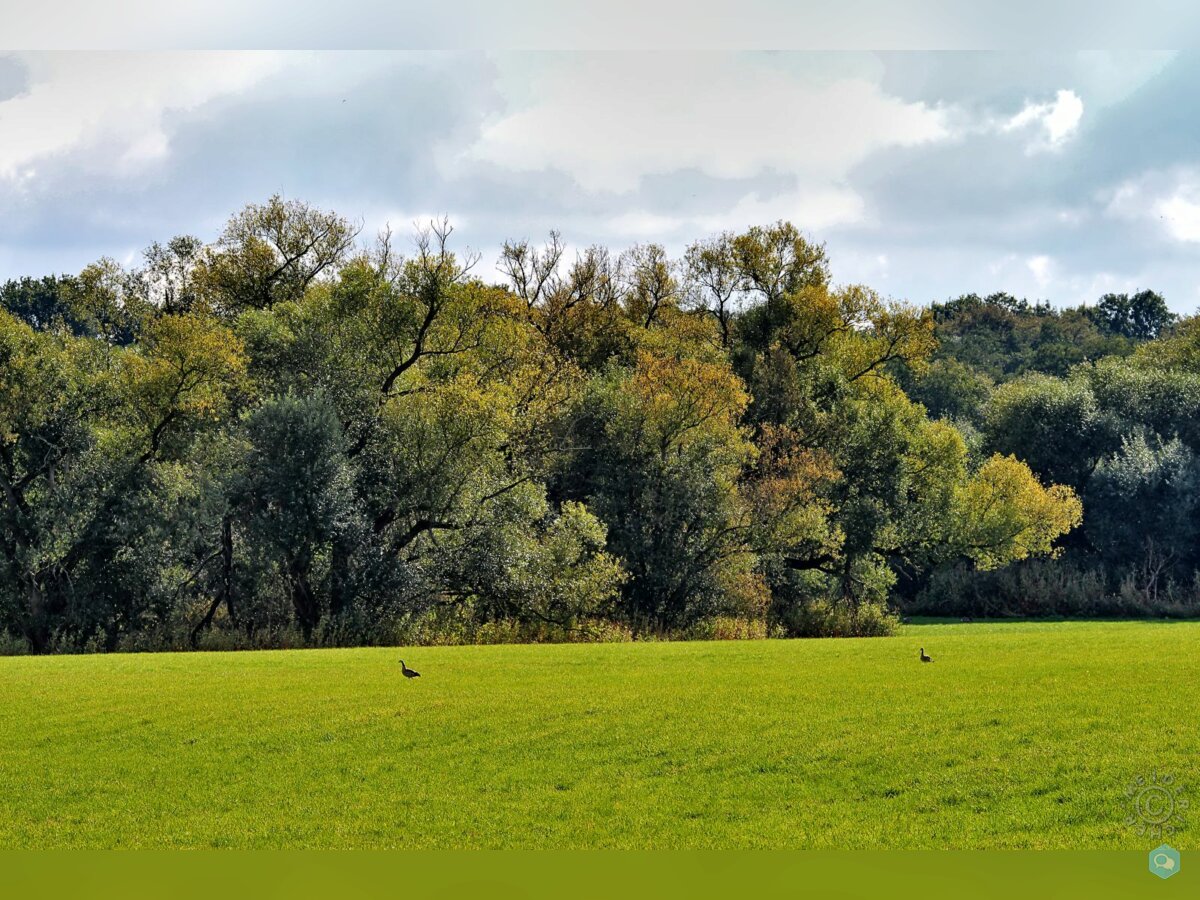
point(1017, 735)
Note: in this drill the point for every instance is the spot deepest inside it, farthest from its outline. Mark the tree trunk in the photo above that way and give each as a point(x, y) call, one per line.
point(36, 630)
point(227, 567)
point(304, 599)
point(225, 593)
point(339, 578)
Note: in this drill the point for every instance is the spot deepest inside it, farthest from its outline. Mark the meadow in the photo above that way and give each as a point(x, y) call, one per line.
point(1018, 735)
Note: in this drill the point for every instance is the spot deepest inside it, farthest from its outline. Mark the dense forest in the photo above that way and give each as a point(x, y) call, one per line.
point(294, 435)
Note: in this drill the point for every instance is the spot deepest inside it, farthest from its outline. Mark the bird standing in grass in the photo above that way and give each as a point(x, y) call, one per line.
point(925, 658)
point(411, 673)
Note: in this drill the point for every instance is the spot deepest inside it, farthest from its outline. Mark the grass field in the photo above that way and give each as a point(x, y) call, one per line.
point(1018, 735)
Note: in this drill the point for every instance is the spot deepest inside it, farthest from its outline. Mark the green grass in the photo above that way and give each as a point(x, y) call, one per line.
point(1018, 735)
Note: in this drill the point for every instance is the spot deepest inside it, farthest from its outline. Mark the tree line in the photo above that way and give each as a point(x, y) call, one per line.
point(294, 435)
point(1102, 399)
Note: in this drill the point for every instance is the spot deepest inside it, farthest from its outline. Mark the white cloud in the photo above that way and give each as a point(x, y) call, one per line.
point(116, 104)
point(660, 144)
point(1181, 215)
point(1037, 277)
point(642, 225)
point(611, 119)
point(1125, 200)
point(405, 223)
point(1170, 199)
point(1041, 267)
point(812, 210)
point(1052, 123)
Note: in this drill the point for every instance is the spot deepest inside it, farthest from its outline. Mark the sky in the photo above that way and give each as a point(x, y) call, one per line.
point(1050, 174)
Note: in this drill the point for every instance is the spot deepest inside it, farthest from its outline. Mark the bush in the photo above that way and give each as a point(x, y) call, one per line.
point(13, 645)
point(1045, 588)
point(511, 631)
point(812, 604)
point(825, 618)
point(446, 626)
point(168, 639)
point(727, 628)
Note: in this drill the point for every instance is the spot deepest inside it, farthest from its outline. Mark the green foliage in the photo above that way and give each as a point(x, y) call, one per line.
point(529, 566)
point(1163, 401)
point(1142, 317)
point(1143, 508)
point(1123, 433)
point(1180, 349)
point(40, 302)
point(664, 454)
point(1001, 337)
point(294, 493)
point(101, 302)
point(1073, 586)
point(1056, 426)
point(822, 616)
point(179, 379)
point(284, 437)
point(950, 389)
point(271, 254)
point(1006, 515)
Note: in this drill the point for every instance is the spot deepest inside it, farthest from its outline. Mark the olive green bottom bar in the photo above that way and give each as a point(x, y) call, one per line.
point(532, 875)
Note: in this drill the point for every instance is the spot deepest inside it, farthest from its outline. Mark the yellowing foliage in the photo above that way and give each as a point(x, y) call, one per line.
point(669, 402)
point(184, 370)
point(1006, 514)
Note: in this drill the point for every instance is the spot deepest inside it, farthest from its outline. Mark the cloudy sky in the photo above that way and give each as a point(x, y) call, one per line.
point(1047, 174)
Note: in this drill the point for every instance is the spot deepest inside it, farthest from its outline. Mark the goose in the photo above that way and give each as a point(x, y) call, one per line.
point(925, 658)
point(408, 673)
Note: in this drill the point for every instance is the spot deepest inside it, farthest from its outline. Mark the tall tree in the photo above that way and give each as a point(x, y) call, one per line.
point(270, 254)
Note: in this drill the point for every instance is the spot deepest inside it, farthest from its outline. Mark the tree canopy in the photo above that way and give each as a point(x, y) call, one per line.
point(294, 431)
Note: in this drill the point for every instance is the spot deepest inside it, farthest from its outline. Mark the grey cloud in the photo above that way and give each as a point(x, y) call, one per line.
point(1157, 125)
point(982, 197)
point(691, 192)
point(372, 144)
point(382, 146)
point(942, 213)
point(1004, 81)
point(14, 78)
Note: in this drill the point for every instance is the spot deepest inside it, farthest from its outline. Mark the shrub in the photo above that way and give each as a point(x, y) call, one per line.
point(1044, 588)
point(13, 645)
point(825, 618)
point(727, 628)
